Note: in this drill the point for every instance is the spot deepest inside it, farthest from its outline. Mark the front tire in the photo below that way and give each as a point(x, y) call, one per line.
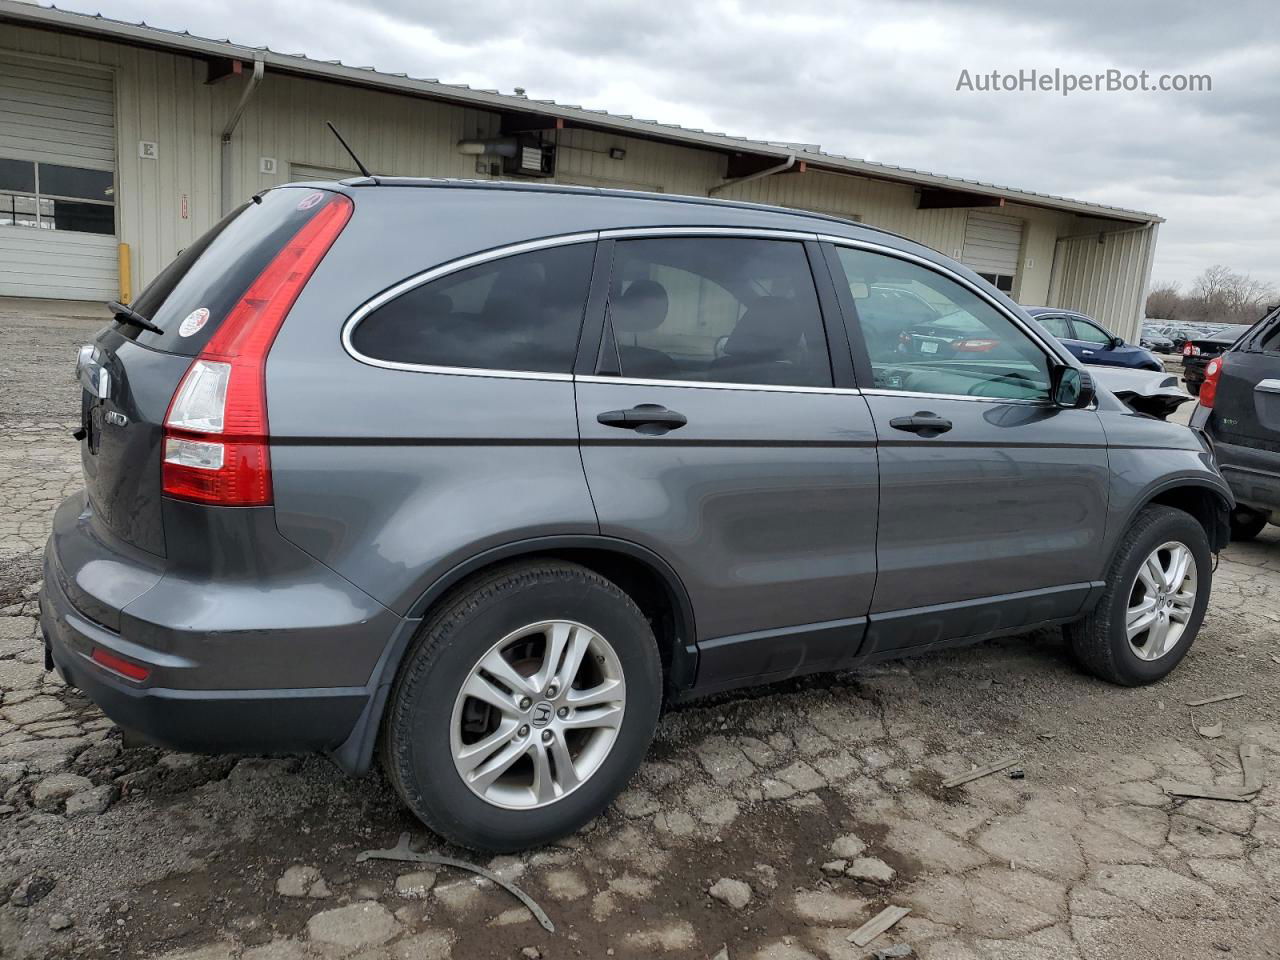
point(1153, 604)
point(527, 701)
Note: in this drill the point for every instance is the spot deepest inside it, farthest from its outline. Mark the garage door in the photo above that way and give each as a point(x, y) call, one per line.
point(57, 181)
point(992, 245)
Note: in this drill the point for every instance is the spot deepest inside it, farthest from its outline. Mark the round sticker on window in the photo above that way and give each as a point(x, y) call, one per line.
point(310, 200)
point(194, 322)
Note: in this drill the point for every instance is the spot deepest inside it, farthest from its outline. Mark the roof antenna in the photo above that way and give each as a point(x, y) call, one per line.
point(345, 146)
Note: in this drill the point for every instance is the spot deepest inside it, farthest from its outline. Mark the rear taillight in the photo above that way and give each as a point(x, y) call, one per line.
point(1190, 350)
point(1209, 389)
point(975, 345)
point(215, 436)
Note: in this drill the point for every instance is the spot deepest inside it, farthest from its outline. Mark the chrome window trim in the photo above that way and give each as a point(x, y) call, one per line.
point(882, 392)
point(716, 385)
point(443, 270)
point(527, 246)
point(759, 233)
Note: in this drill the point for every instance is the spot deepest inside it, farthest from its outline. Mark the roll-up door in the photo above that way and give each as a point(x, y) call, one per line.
point(57, 180)
point(992, 245)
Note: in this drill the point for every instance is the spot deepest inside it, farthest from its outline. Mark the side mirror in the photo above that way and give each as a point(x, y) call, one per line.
point(1115, 342)
point(1072, 388)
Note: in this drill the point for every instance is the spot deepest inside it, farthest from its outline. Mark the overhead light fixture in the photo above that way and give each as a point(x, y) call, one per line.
point(617, 153)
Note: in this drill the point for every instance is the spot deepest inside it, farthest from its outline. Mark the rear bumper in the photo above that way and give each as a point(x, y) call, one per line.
point(1252, 474)
point(1193, 368)
point(308, 652)
point(199, 721)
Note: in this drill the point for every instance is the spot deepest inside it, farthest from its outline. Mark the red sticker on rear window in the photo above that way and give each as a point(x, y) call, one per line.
point(310, 200)
point(194, 322)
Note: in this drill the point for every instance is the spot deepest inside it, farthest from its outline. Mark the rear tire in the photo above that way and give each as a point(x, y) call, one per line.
point(1135, 590)
point(1193, 388)
point(556, 638)
point(1247, 523)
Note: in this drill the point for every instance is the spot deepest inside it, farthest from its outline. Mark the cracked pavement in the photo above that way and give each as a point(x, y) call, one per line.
point(769, 824)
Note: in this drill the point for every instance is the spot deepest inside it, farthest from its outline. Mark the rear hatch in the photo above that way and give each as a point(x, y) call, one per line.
point(129, 373)
point(1246, 410)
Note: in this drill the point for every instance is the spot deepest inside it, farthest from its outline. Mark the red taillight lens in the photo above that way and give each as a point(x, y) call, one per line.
point(975, 345)
point(215, 441)
point(1209, 389)
point(125, 668)
point(1190, 350)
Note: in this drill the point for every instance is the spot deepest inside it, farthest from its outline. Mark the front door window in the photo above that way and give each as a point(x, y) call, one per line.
point(926, 333)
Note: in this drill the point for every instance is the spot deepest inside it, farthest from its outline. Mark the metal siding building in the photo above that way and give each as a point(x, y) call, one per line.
point(85, 94)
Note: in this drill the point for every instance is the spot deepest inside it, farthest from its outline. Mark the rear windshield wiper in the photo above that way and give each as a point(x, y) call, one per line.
point(129, 315)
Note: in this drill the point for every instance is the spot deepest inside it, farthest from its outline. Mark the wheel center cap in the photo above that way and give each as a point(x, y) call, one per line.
point(542, 714)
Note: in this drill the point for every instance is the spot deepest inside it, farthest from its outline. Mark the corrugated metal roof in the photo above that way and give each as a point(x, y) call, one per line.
point(142, 34)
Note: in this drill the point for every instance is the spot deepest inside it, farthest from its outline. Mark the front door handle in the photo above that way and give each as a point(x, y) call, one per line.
point(922, 422)
point(644, 417)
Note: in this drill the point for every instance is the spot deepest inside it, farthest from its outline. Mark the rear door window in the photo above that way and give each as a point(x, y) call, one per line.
point(208, 278)
point(723, 310)
point(519, 313)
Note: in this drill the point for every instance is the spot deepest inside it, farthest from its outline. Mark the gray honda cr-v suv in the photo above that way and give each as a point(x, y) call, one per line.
point(478, 475)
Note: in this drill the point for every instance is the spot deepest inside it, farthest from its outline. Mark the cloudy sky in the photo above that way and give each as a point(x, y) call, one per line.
point(871, 80)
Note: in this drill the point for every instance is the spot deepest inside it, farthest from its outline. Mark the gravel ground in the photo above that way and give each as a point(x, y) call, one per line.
point(764, 825)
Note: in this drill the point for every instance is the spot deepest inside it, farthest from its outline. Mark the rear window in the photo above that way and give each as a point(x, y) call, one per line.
point(522, 313)
point(193, 295)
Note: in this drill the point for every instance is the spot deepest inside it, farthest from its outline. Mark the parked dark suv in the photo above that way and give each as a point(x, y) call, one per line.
point(1239, 409)
point(479, 475)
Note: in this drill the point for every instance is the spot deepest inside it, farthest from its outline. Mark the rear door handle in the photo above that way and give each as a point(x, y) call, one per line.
point(923, 422)
point(643, 415)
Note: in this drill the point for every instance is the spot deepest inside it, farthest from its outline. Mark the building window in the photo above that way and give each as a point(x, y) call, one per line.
point(53, 196)
point(1001, 281)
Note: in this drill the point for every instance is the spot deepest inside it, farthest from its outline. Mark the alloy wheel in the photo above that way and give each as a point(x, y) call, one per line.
point(538, 714)
point(1161, 600)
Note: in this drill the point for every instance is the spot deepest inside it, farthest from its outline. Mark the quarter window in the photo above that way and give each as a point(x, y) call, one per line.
point(926, 333)
point(723, 310)
point(51, 196)
point(522, 313)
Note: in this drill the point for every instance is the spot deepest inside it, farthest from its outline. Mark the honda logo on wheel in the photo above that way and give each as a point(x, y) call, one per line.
point(542, 714)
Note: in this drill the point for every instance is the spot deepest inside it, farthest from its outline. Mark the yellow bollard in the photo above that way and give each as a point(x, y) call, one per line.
point(126, 289)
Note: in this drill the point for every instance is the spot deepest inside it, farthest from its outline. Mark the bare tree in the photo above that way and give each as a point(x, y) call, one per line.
point(1164, 301)
point(1219, 295)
